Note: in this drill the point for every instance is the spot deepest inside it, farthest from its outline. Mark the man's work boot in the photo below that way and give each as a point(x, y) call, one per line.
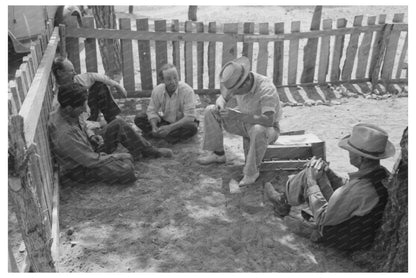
point(279, 200)
point(247, 180)
point(211, 158)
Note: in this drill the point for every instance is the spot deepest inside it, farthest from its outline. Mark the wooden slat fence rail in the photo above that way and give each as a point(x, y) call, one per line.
point(30, 99)
point(360, 53)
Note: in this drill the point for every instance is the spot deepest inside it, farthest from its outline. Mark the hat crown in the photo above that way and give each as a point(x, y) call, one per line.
point(368, 138)
point(234, 72)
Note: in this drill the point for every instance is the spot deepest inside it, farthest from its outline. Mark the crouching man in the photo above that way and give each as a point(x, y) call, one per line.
point(87, 157)
point(347, 210)
point(256, 117)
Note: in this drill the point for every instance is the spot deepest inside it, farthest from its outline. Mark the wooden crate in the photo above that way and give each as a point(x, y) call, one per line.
point(291, 152)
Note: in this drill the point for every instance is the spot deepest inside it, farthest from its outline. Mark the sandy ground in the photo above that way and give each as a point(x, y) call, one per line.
point(181, 217)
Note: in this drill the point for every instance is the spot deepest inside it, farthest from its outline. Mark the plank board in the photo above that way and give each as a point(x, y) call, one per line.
point(127, 65)
point(188, 57)
point(212, 28)
point(161, 47)
point(338, 49)
point(325, 51)
point(310, 51)
point(351, 50)
point(403, 55)
point(144, 56)
point(15, 95)
point(90, 46)
point(279, 28)
point(381, 49)
point(389, 58)
point(176, 54)
point(279, 152)
point(200, 56)
point(29, 65)
point(229, 49)
point(293, 54)
point(378, 37)
point(364, 50)
point(248, 28)
point(282, 165)
point(21, 87)
point(263, 55)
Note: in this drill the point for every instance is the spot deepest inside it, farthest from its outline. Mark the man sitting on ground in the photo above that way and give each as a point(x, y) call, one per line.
point(171, 111)
point(85, 156)
point(347, 210)
point(100, 98)
point(256, 117)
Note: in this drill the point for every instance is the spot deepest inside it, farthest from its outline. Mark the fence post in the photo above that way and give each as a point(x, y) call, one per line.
point(144, 56)
point(25, 200)
point(176, 54)
point(212, 28)
point(381, 48)
point(188, 56)
point(279, 28)
point(293, 54)
point(62, 40)
point(263, 55)
point(338, 49)
point(161, 48)
point(200, 56)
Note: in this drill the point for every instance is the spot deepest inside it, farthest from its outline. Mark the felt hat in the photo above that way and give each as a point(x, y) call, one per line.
point(369, 141)
point(234, 73)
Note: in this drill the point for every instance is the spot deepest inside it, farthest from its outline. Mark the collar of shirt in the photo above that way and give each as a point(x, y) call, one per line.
point(253, 89)
point(362, 172)
point(174, 93)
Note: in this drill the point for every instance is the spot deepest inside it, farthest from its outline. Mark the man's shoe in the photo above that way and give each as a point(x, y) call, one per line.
point(279, 200)
point(211, 158)
point(247, 180)
point(165, 152)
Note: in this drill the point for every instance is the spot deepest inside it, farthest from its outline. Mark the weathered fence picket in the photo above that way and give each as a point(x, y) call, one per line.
point(127, 57)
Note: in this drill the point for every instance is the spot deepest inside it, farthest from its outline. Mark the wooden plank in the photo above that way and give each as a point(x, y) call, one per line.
point(212, 28)
point(280, 152)
point(62, 41)
point(90, 46)
point(21, 88)
point(229, 48)
point(188, 57)
point(351, 50)
point(200, 56)
point(12, 107)
point(72, 44)
point(34, 57)
point(24, 74)
point(144, 56)
point(127, 58)
point(310, 51)
point(176, 54)
point(389, 58)
point(263, 55)
point(248, 46)
point(364, 50)
point(29, 64)
point(279, 28)
point(338, 49)
point(282, 165)
point(161, 47)
point(325, 51)
point(12, 265)
point(381, 48)
point(403, 55)
point(15, 95)
point(377, 42)
point(293, 54)
point(55, 222)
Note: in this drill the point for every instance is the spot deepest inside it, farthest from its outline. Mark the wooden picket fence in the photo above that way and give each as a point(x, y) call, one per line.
point(375, 53)
point(30, 101)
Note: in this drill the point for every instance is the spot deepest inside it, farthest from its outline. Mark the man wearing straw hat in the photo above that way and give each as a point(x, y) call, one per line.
point(347, 210)
point(256, 117)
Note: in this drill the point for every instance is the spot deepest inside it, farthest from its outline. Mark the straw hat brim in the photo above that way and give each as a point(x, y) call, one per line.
point(243, 60)
point(388, 152)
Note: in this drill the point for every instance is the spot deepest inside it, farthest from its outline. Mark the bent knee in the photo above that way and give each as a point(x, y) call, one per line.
point(210, 109)
point(256, 130)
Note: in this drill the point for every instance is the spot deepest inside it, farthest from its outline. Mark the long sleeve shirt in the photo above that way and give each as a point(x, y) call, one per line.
point(172, 108)
point(70, 143)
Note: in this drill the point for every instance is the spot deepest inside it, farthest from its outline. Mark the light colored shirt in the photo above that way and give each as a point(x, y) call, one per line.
point(357, 197)
point(70, 143)
point(172, 108)
point(88, 79)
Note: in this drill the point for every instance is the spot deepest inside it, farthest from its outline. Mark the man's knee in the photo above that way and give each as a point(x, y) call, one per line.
point(210, 109)
point(257, 130)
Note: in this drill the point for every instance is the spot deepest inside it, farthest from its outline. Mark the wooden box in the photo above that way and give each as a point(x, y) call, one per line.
point(291, 152)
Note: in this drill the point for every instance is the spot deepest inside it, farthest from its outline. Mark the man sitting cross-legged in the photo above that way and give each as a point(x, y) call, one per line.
point(85, 156)
point(171, 111)
point(256, 117)
point(347, 210)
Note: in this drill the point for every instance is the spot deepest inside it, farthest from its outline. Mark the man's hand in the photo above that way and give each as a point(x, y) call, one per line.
point(97, 140)
point(123, 156)
point(163, 131)
point(314, 170)
point(231, 114)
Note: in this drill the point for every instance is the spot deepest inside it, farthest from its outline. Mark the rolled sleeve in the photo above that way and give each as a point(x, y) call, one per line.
point(269, 101)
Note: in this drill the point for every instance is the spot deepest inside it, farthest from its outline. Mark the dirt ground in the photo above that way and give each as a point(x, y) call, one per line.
point(181, 217)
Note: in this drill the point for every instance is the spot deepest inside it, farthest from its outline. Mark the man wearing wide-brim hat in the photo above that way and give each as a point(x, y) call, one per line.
point(347, 210)
point(256, 117)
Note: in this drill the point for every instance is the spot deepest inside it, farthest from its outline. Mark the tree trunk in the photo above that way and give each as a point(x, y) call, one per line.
point(29, 214)
point(192, 13)
point(390, 249)
point(105, 17)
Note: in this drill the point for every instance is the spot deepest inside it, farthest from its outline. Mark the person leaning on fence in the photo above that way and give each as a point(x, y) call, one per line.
point(256, 117)
point(171, 111)
point(85, 156)
point(347, 210)
point(100, 98)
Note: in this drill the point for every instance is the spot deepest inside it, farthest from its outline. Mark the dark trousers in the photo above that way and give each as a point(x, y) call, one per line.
point(182, 133)
point(116, 170)
point(100, 99)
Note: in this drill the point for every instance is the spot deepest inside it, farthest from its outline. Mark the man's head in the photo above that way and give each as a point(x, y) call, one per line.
point(63, 70)
point(235, 76)
point(367, 142)
point(73, 99)
point(169, 76)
